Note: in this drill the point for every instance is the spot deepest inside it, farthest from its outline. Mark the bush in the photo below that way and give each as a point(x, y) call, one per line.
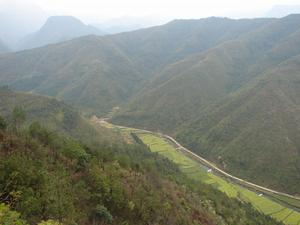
point(9, 217)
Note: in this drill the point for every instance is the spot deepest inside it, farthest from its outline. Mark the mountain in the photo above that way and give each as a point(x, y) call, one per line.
point(99, 73)
point(187, 86)
point(176, 99)
point(58, 29)
point(89, 72)
point(254, 132)
point(154, 48)
point(49, 175)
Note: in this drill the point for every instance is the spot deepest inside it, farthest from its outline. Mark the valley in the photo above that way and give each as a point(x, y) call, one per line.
point(281, 206)
point(192, 122)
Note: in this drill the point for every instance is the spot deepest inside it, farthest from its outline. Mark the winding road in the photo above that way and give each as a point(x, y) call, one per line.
point(222, 172)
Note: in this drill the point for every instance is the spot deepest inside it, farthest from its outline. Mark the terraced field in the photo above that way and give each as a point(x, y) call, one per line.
point(199, 172)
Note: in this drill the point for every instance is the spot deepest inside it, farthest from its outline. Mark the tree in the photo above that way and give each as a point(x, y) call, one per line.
point(19, 117)
point(103, 214)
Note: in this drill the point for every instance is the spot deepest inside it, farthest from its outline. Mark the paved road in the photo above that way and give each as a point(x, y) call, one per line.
point(239, 180)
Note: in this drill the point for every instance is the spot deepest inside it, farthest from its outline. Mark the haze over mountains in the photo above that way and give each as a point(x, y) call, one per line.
point(23, 24)
point(58, 29)
point(283, 10)
point(19, 20)
point(214, 83)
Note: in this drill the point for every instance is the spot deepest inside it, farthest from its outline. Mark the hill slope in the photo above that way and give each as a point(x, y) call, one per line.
point(58, 29)
point(254, 132)
point(183, 89)
point(47, 175)
point(88, 72)
point(98, 73)
point(53, 114)
point(177, 97)
point(154, 48)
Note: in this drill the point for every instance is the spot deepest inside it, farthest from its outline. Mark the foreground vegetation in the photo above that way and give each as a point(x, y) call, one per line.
point(49, 178)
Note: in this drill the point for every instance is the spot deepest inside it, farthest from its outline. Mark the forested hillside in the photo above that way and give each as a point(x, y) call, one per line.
point(53, 114)
point(99, 73)
point(47, 176)
point(254, 127)
point(185, 88)
point(255, 135)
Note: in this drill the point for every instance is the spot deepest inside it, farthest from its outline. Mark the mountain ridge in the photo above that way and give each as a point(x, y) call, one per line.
point(57, 29)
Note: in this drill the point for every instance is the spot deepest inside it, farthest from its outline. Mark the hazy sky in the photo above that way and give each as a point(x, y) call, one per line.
point(95, 10)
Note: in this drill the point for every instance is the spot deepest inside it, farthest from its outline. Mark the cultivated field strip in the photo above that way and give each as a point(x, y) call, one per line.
point(196, 171)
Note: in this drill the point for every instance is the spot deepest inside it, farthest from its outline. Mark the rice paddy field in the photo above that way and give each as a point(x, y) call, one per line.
point(194, 170)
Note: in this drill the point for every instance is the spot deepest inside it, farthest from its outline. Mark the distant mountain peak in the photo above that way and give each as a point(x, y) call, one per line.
point(58, 29)
point(62, 20)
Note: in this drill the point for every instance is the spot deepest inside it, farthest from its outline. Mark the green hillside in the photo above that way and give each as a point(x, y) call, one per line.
point(256, 126)
point(53, 114)
point(154, 48)
point(183, 89)
point(88, 72)
point(99, 73)
point(47, 175)
point(179, 101)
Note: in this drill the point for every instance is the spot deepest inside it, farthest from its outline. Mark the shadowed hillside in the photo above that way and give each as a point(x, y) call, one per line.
point(89, 72)
point(53, 114)
point(254, 132)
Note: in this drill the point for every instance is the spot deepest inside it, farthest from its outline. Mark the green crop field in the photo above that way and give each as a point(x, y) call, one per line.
point(198, 172)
